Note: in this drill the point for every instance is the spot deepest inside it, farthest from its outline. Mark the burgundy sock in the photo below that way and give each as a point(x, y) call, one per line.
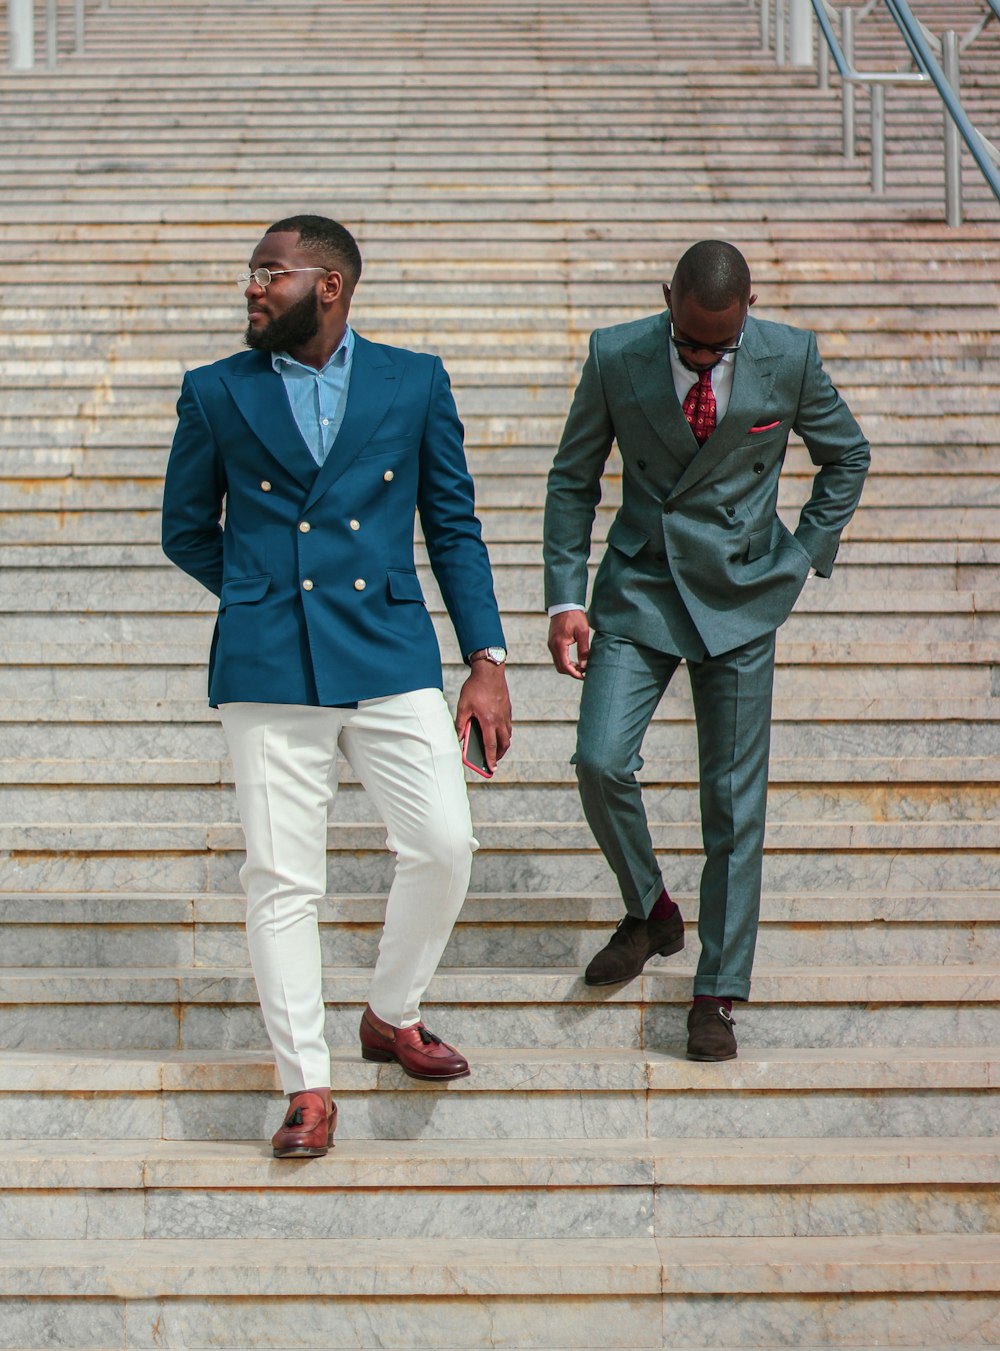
point(663, 907)
point(727, 1004)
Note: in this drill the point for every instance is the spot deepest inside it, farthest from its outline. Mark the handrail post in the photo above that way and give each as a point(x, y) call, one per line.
point(779, 32)
point(20, 34)
point(847, 87)
point(765, 25)
point(801, 33)
point(878, 138)
point(952, 145)
point(51, 33)
point(823, 57)
point(79, 25)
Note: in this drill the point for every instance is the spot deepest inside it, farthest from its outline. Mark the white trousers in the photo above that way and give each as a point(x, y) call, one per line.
point(404, 750)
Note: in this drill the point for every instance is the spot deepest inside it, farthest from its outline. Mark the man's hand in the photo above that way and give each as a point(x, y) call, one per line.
point(570, 629)
point(484, 697)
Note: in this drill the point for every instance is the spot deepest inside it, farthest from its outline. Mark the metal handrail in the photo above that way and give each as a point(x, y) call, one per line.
point(924, 49)
point(983, 151)
point(21, 31)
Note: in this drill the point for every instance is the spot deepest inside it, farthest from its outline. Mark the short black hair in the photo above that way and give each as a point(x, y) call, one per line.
point(714, 273)
point(329, 241)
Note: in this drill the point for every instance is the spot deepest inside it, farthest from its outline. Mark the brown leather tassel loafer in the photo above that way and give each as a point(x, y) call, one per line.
point(307, 1130)
point(419, 1052)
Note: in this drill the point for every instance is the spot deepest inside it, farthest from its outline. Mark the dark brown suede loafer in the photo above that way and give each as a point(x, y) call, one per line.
point(419, 1052)
point(307, 1130)
point(710, 1032)
point(631, 946)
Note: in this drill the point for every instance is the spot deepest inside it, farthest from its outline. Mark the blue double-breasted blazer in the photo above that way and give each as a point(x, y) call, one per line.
point(319, 599)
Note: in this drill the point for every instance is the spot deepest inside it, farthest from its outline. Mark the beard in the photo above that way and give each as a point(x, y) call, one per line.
point(298, 325)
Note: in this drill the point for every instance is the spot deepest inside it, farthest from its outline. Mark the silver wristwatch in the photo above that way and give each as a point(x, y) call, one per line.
point(497, 655)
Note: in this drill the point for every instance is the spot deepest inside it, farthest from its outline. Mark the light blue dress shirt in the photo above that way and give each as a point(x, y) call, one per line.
point(318, 398)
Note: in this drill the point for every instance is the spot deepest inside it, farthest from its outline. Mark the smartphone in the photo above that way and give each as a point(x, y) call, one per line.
point(473, 751)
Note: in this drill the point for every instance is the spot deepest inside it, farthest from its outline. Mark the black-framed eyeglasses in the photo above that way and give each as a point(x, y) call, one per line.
point(263, 276)
point(683, 345)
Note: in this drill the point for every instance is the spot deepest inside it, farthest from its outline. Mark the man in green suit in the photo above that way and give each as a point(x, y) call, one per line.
point(700, 399)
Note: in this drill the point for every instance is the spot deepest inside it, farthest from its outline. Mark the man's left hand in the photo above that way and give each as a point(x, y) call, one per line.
point(484, 696)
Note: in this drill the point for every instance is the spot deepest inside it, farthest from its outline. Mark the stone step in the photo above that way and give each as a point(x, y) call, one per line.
point(592, 1092)
point(496, 932)
point(208, 1009)
point(596, 1291)
point(133, 1189)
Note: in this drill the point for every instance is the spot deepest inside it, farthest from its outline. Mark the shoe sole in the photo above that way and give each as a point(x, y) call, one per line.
point(706, 1059)
point(386, 1058)
point(668, 951)
point(318, 1153)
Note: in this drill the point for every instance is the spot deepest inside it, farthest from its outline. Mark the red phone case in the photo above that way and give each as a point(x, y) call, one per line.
point(477, 766)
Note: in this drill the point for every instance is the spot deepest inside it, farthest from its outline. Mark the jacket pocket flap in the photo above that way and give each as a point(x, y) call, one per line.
point(759, 544)
point(404, 585)
point(241, 589)
point(627, 539)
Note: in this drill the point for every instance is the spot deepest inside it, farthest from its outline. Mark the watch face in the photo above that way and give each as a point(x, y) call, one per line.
point(497, 654)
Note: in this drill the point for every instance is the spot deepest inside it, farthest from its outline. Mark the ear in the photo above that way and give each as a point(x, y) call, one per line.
point(333, 288)
point(666, 294)
point(751, 301)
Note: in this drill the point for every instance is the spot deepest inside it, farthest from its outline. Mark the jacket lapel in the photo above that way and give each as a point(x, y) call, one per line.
point(375, 382)
point(648, 366)
point(259, 393)
point(753, 377)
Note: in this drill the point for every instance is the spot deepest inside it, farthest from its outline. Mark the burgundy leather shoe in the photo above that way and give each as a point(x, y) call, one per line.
point(307, 1130)
point(420, 1053)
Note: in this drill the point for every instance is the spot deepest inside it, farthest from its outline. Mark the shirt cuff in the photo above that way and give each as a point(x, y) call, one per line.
point(562, 609)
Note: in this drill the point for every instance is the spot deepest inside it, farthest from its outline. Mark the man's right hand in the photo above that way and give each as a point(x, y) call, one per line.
point(567, 630)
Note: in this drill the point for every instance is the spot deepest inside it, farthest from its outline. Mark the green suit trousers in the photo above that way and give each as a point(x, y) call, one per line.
point(732, 704)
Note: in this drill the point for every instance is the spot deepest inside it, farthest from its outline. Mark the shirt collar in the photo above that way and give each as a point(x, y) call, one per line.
point(340, 357)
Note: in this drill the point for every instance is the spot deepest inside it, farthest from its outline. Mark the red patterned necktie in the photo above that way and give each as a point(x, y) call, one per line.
point(699, 407)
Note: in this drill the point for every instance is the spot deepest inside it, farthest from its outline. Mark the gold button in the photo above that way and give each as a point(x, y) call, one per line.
point(355, 525)
point(388, 476)
point(305, 527)
point(360, 584)
point(266, 486)
point(307, 585)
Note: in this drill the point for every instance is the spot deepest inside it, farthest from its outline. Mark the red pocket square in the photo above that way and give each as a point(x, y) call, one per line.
point(767, 427)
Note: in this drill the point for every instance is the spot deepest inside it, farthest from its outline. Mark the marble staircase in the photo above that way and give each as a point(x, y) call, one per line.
point(517, 174)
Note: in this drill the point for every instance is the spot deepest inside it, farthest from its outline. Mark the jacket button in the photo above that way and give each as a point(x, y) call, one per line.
point(360, 584)
point(758, 467)
point(307, 585)
point(641, 464)
point(730, 511)
point(305, 527)
point(355, 525)
point(265, 486)
point(669, 511)
point(388, 476)
point(660, 558)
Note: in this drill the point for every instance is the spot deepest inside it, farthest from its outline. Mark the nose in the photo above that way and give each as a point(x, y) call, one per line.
point(254, 290)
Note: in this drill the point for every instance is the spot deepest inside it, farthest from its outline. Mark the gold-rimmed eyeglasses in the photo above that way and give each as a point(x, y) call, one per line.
point(263, 276)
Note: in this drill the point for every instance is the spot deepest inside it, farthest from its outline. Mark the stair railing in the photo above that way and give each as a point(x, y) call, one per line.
point(21, 31)
point(794, 17)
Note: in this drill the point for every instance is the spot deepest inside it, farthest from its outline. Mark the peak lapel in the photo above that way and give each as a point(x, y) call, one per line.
point(753, 378)
point(259, 393)
point(648, 366)
point(375, 382)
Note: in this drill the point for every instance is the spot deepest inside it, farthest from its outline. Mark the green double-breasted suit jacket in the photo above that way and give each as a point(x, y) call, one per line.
point(698, 527)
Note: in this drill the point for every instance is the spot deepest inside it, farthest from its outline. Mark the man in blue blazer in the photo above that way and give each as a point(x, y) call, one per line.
point(295, 474)
point(699, 567)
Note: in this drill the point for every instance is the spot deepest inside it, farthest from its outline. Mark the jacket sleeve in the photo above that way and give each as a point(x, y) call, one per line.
point(452, 533)
point(574, 487)
point(193, 494)
point(837, 444)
